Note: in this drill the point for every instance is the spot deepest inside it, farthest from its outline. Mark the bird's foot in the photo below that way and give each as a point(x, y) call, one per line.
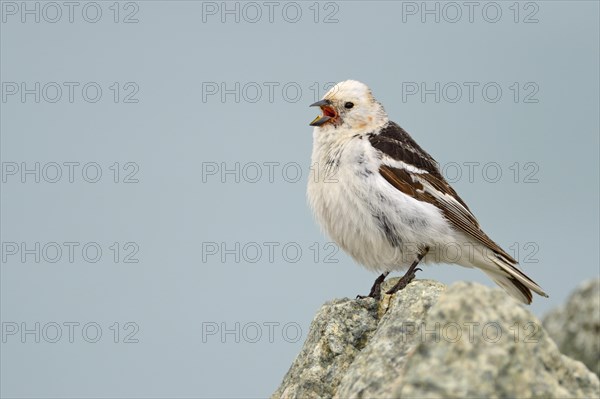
point(368, 296)
point(376, 288)
point(404, 281)
point(375, 295)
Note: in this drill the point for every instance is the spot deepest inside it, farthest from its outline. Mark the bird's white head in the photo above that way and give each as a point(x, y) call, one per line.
point(349, 105)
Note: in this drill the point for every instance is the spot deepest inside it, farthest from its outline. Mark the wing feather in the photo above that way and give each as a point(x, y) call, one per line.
point(425, 187)
point(411, 170)
point(428, 184)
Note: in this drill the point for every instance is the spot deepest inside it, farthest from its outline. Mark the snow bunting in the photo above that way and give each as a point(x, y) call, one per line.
point(383, 200)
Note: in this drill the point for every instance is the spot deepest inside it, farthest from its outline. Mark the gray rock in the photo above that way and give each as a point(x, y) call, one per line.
point(575, 326)
point(501, 351)
point(337, 333)
point(436, 342)
point(378, 363)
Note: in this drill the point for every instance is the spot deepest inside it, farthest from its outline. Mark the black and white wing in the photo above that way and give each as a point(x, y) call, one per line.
point(415, 173)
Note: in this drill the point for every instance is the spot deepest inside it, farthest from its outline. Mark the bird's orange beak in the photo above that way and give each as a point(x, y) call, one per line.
point(328, 115)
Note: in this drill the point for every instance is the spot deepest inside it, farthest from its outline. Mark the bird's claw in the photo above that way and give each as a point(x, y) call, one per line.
point(403, 282)
point(374, 295)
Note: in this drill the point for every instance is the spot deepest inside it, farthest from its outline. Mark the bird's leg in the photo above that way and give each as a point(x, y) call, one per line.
point(409, 275)
point(376, 288)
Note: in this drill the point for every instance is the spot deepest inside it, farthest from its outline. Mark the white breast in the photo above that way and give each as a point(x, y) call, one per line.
point(379, 226)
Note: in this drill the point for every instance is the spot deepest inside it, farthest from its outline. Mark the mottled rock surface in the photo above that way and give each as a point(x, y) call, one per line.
point(575, 326)
point(433, 341)
point(337, 334)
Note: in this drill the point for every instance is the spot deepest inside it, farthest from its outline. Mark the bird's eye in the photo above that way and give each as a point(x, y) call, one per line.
point(349, 105)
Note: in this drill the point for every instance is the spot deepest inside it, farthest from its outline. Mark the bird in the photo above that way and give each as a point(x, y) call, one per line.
point(383, 200)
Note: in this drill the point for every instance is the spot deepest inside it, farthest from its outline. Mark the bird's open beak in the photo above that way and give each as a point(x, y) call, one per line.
point(328, 113)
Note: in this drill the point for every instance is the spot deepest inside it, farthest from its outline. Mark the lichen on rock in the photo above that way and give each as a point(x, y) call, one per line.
point(433, 341)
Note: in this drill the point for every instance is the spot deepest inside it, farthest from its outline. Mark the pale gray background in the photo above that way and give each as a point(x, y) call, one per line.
point(170, 212)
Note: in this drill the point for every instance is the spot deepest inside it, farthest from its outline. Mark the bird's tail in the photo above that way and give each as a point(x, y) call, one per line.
point(503, 270)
